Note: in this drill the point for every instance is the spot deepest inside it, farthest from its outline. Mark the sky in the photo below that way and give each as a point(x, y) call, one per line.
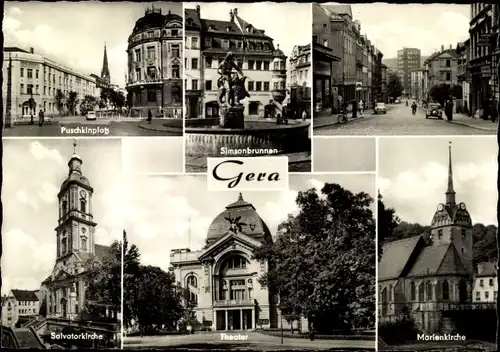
point(168, 212)
point(33, 173)
point(391, 27)
point(74, 33)
point(152, 155)
point(289, 24)
point(414, 183)
point(344, 154)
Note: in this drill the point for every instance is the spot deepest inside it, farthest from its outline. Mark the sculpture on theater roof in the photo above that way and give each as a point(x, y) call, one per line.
point(235, 225)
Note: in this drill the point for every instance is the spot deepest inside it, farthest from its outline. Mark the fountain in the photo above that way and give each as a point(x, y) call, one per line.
point(209, 137)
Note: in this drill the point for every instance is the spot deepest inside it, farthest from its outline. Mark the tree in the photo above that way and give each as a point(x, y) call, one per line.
point(72, 102)
point(88, 103)
point(119, 99)
point(484, 243)
point(395, 86)
point(322, 263)
point(440, 93)
point(387, 222)
point(60, 100)
point(131, 264)
point(103, 285)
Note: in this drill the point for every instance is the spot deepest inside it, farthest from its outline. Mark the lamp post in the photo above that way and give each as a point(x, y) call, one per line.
point(31, 103)
point(8, 116)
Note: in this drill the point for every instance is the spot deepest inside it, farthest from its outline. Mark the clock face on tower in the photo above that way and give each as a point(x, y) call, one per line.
point(83, 194)
point(440, 207)
point(462, 206)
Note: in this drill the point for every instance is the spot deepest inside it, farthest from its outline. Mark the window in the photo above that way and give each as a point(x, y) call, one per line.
point(429, 290)
point(174, 32)
point(151, 52)
point(237, 262)
point(253, 108)
point(84, 243)
point(138, 55)
point(258, 86)
point(276, 65)
point(175, 50)
point(491, 282)
point(175, 71)
point(44, 90)
point(138, 74)
point(259, 65)
point(194, 84)
point(250, 85)
point(276, 85)
point(151, 96)
point(63, 245)
point(446, 290)
point(251, 64)
point(192, 280)
point(194, 42)
point(481, 283)
point(225, 44)
point(30, 88)
point(325, 42)
point(448, 63)
point(22, 88)
point(413, 293)
point(266, 65)
point(208, 42)
point(22, 72)
point(208, 85)
point(486, 295)
point(440, 234)
point(495, 295)
point(208, 62)
point(36, 74)
point(194, 64)
point(266, 86)
point(448, 76)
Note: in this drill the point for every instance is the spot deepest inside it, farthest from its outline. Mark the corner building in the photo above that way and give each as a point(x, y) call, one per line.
point(155, 67)
point(222, 277)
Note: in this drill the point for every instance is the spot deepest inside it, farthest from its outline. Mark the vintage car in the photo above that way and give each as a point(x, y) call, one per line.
point(380, 108)
point(434, 110)
point(91, 116)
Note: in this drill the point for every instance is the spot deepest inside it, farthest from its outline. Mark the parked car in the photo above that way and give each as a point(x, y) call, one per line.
point(91, 116)
point(380, 108)
point(434, 110)
point(397, 101)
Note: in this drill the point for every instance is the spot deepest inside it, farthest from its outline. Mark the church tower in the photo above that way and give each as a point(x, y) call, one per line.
point(105, 69)
point(76, 229)
point(452, 223)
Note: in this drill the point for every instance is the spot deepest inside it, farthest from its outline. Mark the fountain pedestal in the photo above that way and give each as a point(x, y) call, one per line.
point(232, 116)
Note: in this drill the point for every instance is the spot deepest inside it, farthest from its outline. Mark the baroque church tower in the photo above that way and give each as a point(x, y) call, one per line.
point(105, 69)
point(76, 228)
point(452, 223)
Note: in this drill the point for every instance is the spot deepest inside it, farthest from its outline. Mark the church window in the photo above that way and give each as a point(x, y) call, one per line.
point(429, 290)
point(64, 207)
point(64, 245)
point(84, 243)
point(440, 234)
point(391, 293)
point(413, 295)
point(463, 233)
point(446, 290)
point(83, 206)
point(192, 280)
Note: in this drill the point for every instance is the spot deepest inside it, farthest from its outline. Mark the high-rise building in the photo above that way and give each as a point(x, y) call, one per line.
point(408, 60)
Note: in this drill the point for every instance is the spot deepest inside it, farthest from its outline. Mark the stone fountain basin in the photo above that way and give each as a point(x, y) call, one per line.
point(259, 137)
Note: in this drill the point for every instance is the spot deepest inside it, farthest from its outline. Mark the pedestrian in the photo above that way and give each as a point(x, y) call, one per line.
point(448, 110)
point(304, 115)
point(40, 118)
point(494, 110)
point(150, 116)
point(360, 107)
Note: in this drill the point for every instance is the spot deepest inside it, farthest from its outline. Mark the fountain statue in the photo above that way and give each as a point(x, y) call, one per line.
point(232, 89)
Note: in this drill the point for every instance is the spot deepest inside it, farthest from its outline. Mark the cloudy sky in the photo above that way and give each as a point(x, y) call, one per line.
point(33, 173)
point(415, 183)
point(167, 212)
point(289, 24)
point(344, 154)
point(391, 27)
point(152, 155)
point(74, 33)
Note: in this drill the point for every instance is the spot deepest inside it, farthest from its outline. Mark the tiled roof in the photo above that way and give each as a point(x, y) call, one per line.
point(193, 15)
point(431, 260)
point(244, 24)
point(395, 256)
point(329, 13)
point(219, 26)
point(488, 269)
point(24, 295)
point(339, 9)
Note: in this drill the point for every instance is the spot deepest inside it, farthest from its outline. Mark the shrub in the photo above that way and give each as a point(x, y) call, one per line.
point(398, 332)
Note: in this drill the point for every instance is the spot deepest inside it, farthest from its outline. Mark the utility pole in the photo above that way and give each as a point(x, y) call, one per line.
point(8, 112)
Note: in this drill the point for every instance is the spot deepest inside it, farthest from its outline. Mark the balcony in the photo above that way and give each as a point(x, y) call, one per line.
point(234, 303)
point(137, 64)
point(151, 61)
point(145, 82)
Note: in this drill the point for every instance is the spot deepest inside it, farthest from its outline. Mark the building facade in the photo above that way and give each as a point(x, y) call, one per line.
point(35, 81)
point(222, 278)
point(19, 306)
point(463, 77)
point(64, 289)
point(485, 287)
point(441, 68)
point(425, 273)
point(299, 83)
point(155, 67)
point(408, 60)
point(193, 65)
point(416, 83)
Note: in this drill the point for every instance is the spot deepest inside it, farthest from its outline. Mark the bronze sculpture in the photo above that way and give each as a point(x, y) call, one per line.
point(235, 225)
point(231, 82)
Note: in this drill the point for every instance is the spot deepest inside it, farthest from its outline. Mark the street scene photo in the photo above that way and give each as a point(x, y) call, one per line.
point(405, 69)
point(437, 272)
point(61, 263)
point(250, 271)
point(92, 69)
point(248, 82)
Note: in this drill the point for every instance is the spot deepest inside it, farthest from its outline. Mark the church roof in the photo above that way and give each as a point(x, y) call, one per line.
point(395, 257)
point(442, 259)
point(25, 295)
point(252, 223)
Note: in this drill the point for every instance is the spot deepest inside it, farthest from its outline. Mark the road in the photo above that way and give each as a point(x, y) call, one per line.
point(88, 128)
point(255, 340)
point(398, 121)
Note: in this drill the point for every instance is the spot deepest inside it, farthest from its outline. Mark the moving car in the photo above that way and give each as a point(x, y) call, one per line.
point(91, 116)
point(380, 108)
point(434, 110)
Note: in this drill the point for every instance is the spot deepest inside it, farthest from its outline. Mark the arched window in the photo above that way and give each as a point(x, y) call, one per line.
point(64, 207)
point(446, 290)
point(236, 262)
point(383, 299)
point(462, 291)
point(391, 293)
point(421, 292)
point(429, 290)
point(84, 243)
point(83, 206)
point(192, 280)
point(413, 293)
point(64, 244)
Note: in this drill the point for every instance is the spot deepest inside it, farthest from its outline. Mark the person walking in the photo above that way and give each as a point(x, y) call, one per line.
point(150, 116)
point(361, 107)
point(41, 118)
point(304, 115)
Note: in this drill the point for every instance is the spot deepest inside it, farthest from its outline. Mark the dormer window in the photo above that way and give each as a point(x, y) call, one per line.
point(189, 22)
point(211, 28)
point(208, 42)
point(250, 29)
point(228, 29)
point(259, 46)
point(266, 47)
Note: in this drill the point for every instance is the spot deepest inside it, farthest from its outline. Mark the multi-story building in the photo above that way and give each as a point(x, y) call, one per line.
point(222, 278)
point(193, 64)
point(425, 273)
point(299, 81)
point(463, 77)
point(64, 289)
point(440, 68)
point(19, 306)
point(416, 83)
point(263, 64)
point(408, 59)
point(377, 77)
point(155, 68)
point(384, 79)
point(485, 287)
point(482, 50)
point(34, 83)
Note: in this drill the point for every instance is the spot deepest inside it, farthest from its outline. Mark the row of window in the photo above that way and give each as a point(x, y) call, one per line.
point(63, 80)
point(151, 73)
point(425, 291)
point(252, 86)
point(257, 65)
point(481, 282)
point(27, 311)
point(151, 34)
point(151, 52)
point(50, 91)
point(486, 295)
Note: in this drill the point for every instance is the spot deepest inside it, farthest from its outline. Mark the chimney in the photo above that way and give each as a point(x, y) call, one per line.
point(235, 12)
point(480, 268)
point(231, 16)
point(442, 47)
point(32, 50)
point(198, 9)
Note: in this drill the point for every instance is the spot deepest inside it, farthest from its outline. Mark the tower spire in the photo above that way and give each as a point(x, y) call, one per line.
point(105, 69)
point(450, 192)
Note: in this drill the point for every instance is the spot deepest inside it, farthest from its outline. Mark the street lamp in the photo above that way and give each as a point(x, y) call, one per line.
point(31, 103)
point(8, 116)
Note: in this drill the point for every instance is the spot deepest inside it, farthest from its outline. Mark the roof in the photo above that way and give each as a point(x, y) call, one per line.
point(440, 259)
point(24, 295)
point(14, 49)
point(244, 24)
point(191, 14)
point(339, 9)
point(102, 252)
point(395, 257)
point(486, 269)
point(219, 26)
point(154, 19)
point(435, 55)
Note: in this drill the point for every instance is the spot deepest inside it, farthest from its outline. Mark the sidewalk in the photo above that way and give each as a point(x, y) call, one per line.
point(325, 118)
point(468, 121)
